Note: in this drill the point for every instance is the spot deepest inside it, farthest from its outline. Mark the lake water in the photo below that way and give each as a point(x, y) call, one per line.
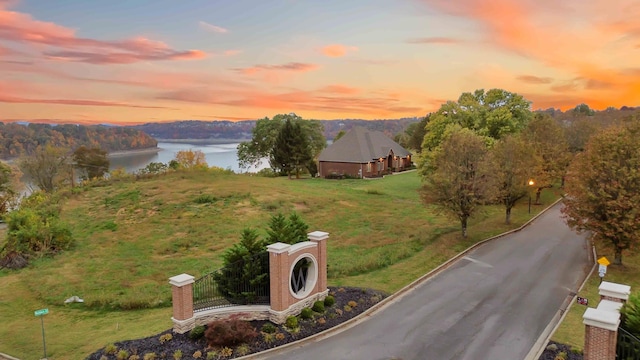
point(221, 155)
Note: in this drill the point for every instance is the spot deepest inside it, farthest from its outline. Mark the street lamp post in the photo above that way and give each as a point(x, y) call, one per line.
point(531, 183)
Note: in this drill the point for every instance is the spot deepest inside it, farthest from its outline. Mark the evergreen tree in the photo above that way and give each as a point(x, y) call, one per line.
point(278, 230)
point(291, 151)
point(287, 230)
point(245, 274)
point(631, 315)
point(298, 229)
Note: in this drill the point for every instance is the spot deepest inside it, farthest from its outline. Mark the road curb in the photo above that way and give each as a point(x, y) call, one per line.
point(394, 297)
point(541, 344)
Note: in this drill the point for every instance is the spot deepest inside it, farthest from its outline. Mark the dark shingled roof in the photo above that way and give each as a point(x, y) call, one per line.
point(360, 145)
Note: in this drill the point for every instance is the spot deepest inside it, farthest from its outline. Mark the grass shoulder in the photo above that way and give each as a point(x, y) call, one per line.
point(571, 330)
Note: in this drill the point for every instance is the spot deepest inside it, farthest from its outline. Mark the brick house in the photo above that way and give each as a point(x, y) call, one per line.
point(362, 153)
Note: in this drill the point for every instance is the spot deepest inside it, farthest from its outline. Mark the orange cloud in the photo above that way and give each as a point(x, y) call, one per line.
point(383, 104)
point(339, 89)
point(595, 43)
point(531, 79)
point(19, 100)
point(337, 50)
point(434, 40)
point(22, 28)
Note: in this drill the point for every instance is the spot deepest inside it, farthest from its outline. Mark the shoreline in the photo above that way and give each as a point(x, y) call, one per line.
point(134, 151)
point(156, 149)
point(202, 141)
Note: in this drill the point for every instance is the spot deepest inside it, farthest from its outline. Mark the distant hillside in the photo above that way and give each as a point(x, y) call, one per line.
point(241, 130)
point(18, 139)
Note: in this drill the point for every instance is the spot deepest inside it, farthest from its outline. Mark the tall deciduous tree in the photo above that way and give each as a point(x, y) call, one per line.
point(492, 114)
point(92, 162)
point(547, 141)
point(603, 187)
point(458, 180)
point(512, 163)
point(264, 135)
point(291, 151)
point(48, 167)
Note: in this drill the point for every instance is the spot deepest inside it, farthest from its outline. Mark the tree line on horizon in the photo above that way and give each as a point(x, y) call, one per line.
point(18, 140)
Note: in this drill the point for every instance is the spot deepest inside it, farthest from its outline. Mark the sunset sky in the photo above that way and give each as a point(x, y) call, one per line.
point(134, 61)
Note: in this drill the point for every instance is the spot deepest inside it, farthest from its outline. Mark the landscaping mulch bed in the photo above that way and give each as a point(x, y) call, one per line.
point(340, 312)
point(557, 351)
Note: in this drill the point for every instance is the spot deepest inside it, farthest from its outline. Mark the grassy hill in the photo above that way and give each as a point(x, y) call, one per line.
point(133, 235)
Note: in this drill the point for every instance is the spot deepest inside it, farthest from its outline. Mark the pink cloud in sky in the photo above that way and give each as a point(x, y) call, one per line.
point(213, 28)
point(292, 66)
point(337, 50)
point(22, 28)
point(19, 100)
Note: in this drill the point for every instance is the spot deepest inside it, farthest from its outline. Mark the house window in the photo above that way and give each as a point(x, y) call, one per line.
point(368, 167)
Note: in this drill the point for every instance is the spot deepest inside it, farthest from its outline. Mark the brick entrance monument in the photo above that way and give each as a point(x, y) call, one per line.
point(297, 278)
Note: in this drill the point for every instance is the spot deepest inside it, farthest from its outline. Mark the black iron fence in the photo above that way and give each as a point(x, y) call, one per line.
point(628, 346)
point(245, 282)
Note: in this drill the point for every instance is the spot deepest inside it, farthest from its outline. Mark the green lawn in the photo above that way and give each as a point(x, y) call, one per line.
point(571, 331)
point(133, 235)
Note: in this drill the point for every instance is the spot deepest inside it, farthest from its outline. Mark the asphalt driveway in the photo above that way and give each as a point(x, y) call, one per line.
point(492, 304)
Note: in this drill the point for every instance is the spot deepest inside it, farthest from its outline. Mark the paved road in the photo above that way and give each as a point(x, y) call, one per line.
point(492, 304)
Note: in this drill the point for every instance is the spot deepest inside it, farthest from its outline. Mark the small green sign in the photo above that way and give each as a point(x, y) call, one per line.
point(41, 312)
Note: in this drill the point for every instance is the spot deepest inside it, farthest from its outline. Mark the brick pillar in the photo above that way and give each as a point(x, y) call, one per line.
point(614, 292)
point(279, 276)
point(601, 331)
point(320, 237)
point(182, 299)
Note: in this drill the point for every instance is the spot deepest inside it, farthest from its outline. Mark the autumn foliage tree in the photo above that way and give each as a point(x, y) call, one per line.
point(546, 139)
point(603, 186)
point(512, 164)
point(457, 179)
point(191, 159)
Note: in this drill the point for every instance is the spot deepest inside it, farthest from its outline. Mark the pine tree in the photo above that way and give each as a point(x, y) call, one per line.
point(278, 230)
point(291, 151)
point(245, 274)
point(298, 229)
